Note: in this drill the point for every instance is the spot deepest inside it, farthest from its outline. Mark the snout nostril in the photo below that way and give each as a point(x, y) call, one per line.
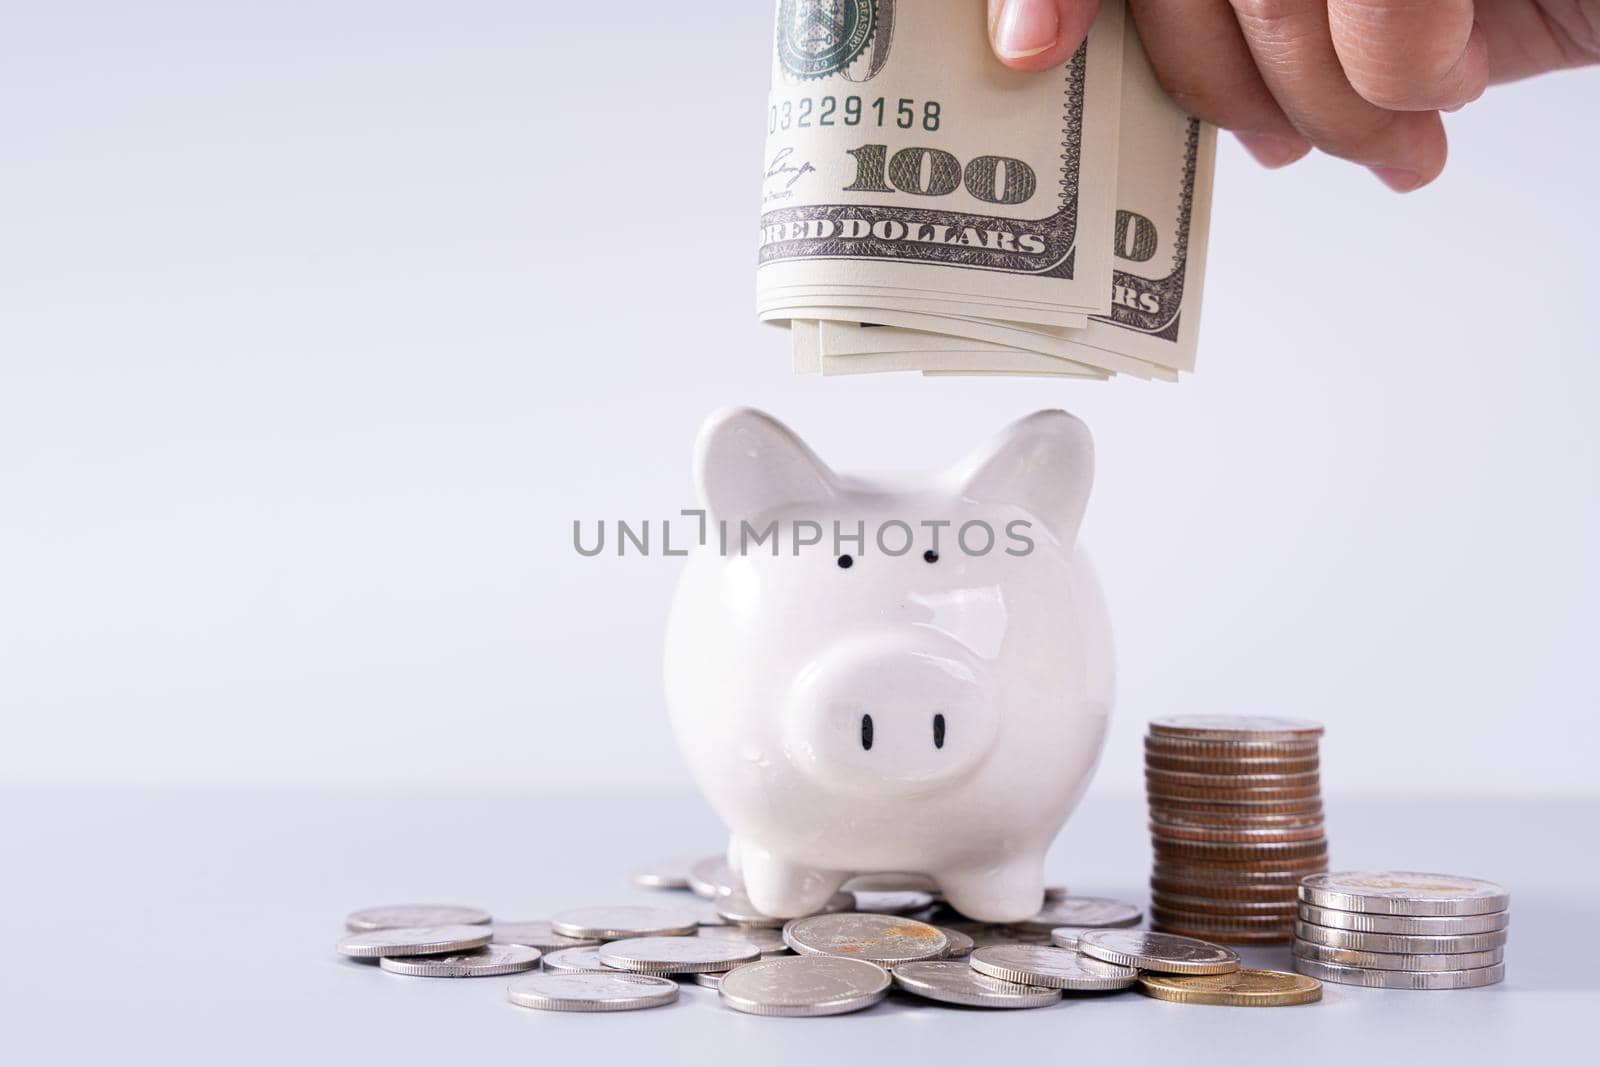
point(938, 730)
point(866, 732)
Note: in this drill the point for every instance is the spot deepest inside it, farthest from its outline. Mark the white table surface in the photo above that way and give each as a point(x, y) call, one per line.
point(197, 926)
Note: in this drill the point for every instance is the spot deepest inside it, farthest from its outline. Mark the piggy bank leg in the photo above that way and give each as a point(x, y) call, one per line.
point(1004, 890)
point(784, 889)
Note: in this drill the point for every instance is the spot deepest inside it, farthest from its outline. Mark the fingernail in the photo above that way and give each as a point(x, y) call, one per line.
point(1025, 28)
point(1270, 150)
point(1398, 178)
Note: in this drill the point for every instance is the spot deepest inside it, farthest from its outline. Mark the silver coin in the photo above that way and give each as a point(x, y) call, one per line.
point(538, 934)
point(413, 941)
point(712, 979)
point(995, 933)
point(1236, 728)
point(1097, 912)
point(804, 986)
point(1403, 893)
point(1161, 953)
point(676, 955)
point(767, 942)
point(1398, 961)
point(704, 912)
point(592, 992)
point(612, 922)
point(479, 963)
point(891, 882)
point(665, 874)
point(890, 902)
point(711, 877)
point(883, 939)
point(959, 943)
point(1453, 925)
point(956, 983)
point(1067, 936)
point(585, 960)
point(1369, 942)
point(414, 915)
point(1046, 965)
point(1467, 979)
point(736, 908)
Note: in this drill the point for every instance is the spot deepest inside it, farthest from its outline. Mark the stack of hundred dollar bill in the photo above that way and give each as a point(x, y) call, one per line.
point(925, 208)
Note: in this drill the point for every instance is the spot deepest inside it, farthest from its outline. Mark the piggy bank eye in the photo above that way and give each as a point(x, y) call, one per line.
point(930, 556)
point(846, 562)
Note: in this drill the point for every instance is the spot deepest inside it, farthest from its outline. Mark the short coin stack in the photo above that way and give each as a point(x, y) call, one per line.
point(1235, 821)
point(1402, 930)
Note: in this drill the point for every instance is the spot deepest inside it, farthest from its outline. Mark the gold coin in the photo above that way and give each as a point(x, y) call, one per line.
point(1230, 781)
point(1285, 895)
point(1238, 851)
point(1215, 795)
point(1182, 902)
point(1160, 761)
point(1206, 820)
point(1217, 835)
point(1187, 746)
point(1240, 803)
point(1224, 937)
point(1244, 988)
point(1311, 864)
point(1269, 922)
point(1243, 877)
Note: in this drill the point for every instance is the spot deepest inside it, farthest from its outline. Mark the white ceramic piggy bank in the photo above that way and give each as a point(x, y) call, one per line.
point(859, 707)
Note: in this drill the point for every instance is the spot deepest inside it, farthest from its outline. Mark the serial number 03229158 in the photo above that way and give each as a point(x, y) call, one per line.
point(805, 112)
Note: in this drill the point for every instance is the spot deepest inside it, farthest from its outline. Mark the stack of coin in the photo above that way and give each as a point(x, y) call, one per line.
point(1235, 821)
point(1402, 930)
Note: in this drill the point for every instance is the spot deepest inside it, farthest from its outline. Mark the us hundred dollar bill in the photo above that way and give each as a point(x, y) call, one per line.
point(906, 167)
point(1148, 321)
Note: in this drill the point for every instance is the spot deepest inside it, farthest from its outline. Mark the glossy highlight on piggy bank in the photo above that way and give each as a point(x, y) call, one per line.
point(932, 703)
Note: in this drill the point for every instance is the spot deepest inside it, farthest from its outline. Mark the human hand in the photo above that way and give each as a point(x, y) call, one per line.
point(1364, 80)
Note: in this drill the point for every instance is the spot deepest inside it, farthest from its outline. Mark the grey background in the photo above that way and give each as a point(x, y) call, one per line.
point(321, 323)
point(197, 926)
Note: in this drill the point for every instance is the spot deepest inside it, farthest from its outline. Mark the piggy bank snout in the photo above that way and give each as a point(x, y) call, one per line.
point(889, 713)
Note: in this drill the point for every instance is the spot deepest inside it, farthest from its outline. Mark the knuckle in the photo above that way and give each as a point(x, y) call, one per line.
point(1397, 90)
point(1232, 103)
point(1266, 12)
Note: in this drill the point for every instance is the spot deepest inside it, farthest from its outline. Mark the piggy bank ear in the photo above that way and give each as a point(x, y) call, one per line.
point(1043, 464)
point(747, 463)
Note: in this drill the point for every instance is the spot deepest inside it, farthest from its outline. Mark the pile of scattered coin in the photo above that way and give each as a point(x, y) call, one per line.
point(886, 933)
point(1235, 822)
point(1402, 930)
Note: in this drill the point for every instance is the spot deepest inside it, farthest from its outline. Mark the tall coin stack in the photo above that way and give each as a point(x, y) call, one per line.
point(1402, 930)
point(1235, 821)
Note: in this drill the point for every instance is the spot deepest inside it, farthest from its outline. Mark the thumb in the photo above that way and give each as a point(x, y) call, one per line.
point(1038, 34)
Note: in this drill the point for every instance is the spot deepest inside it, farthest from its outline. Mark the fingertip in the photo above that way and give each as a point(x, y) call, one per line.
point(1400, 179)
point(1424, 160)
point(1034, 35)
point(1052, 56)
point(1273, 151)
